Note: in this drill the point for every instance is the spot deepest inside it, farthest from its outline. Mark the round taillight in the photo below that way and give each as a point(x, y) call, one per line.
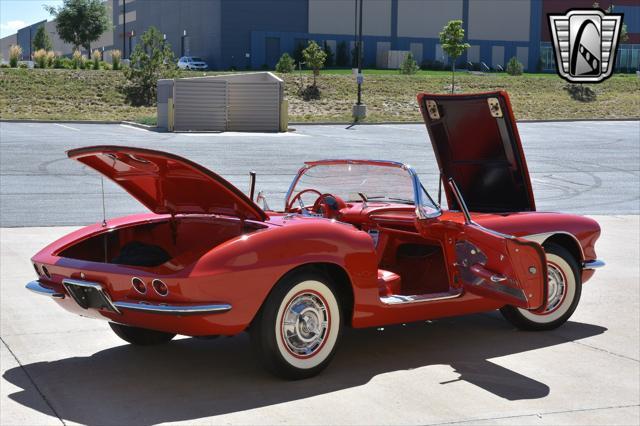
point(160, 287)
point(46, 273)
point(138, 285)
point(37, 270)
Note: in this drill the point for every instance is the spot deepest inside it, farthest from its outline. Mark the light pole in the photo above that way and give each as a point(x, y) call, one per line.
point(359, 110)
point(184, 35)
point(124, 29)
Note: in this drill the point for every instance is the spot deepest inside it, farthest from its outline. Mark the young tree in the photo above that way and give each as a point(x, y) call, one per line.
point(151, 60)
point(452, 41)
point(409, 65)
point(41, 40)
point(342, 54)
point(285, 64)
point(514, 66)
point(314, 56)
point(79, 22)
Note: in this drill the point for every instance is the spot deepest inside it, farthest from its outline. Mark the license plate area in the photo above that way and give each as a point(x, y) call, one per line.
point(88, 295)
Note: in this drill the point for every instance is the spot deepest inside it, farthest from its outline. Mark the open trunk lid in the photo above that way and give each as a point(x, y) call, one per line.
point(168, 184)
point(476, 142)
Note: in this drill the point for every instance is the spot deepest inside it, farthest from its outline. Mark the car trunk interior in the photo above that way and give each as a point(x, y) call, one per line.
point(180, 241)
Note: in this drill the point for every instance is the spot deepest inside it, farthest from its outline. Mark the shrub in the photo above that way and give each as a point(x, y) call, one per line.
point(23, 65)
point(58, 62)
point(51, 57)
point(4, 65)
point(285, 64)
point(78, 61)
point(116, 55)
point(40, 58)
point(15, 53)
point(106, 66)
point(514, 66)
point(426, 64)
point(342, 54)
point(409, 65)
point(151, 60)
point(95, 58)
point(580, 92)
point(329, 62)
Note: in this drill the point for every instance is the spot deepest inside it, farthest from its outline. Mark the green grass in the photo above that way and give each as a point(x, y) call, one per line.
point(95, 95)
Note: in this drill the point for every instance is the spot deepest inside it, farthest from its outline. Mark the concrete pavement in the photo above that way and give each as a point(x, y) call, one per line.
point(59, 368)
point(581, 167)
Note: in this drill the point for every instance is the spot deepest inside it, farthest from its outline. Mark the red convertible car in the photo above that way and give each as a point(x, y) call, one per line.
point(359, 243)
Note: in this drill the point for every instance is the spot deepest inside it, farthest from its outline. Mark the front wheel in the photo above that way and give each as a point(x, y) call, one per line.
point(565, 287)
point(140, 336)
point(296, 332)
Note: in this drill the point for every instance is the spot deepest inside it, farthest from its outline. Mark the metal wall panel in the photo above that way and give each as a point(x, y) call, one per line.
point(254, 106)
point(200, 104)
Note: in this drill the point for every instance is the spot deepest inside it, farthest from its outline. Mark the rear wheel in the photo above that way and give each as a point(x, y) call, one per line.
point(565, 287)
point(140, 336)
point(296, 332)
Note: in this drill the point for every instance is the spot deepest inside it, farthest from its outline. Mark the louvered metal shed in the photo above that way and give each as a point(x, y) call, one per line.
point(234, 102)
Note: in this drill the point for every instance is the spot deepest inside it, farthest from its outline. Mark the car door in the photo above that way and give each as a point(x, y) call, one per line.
point(502, 267)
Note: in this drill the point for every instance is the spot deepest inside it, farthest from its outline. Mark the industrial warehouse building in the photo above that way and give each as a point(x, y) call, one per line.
point(253, 34)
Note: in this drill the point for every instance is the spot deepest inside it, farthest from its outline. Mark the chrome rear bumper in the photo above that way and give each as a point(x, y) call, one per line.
point(145, 307)
point(38, 288)
point(174, 309)
point(593, 264)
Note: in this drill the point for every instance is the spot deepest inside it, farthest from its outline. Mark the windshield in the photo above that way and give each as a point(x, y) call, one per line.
point(355, 181)
point(196, 59)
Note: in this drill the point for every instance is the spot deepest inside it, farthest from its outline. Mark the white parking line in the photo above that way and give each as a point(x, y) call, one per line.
point(133, 127)
point(66, 127)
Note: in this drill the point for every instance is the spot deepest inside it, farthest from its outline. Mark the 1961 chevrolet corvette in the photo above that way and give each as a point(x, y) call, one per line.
point(359, 243)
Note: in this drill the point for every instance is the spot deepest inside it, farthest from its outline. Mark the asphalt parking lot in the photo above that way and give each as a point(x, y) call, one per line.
point(57, 368)
point(582, 167)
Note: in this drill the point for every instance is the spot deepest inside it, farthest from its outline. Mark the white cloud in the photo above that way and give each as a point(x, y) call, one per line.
point(12, 26)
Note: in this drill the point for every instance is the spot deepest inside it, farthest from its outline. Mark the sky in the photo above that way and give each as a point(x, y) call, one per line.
point(15, 14)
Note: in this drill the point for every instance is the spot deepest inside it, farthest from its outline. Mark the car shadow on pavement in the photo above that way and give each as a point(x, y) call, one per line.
point(190, 379)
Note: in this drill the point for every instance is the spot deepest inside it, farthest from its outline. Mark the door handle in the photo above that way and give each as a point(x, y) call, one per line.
point(486, 274)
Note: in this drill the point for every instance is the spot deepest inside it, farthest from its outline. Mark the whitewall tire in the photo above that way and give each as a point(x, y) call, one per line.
point(564, 290)
point(296, 332)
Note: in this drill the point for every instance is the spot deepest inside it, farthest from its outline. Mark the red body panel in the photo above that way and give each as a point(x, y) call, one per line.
point(167, 183)
point(480, 149)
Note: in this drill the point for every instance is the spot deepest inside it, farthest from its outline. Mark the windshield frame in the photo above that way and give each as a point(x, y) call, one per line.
point(419, 191)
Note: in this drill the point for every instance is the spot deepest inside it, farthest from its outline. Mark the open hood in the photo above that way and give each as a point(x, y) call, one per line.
point(166, 183)
point(476, 142)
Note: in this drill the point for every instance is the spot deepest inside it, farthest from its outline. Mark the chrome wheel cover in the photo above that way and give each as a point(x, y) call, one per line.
point(557, 288)
point(305, 324)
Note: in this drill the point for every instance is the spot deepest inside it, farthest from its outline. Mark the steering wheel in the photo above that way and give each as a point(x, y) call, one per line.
point(299, 194)
point(328, 205)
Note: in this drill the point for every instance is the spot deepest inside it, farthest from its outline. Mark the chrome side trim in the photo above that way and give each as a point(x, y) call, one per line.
point(174, 309)
point(38, 288)
point(398, 299)
point(593, 264)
